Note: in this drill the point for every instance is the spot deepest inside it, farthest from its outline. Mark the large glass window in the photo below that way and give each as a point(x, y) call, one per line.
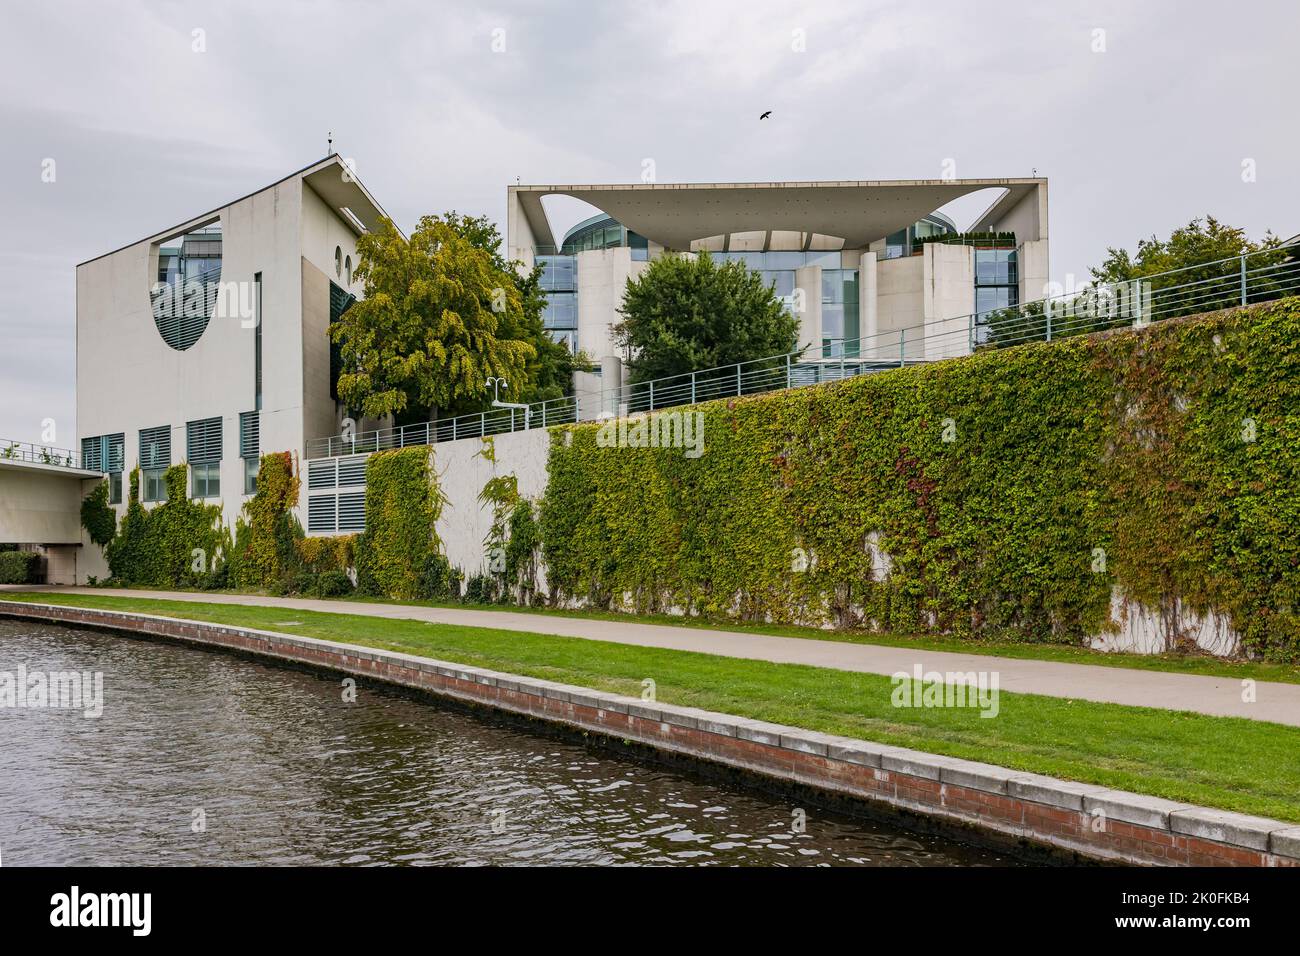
point(206, 480)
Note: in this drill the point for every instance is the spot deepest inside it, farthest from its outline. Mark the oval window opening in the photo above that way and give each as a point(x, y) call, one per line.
point(187, 285)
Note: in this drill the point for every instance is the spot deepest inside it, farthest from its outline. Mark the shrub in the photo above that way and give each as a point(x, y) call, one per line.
point(19, 567)
point(332, 584)
point(440, 581)
point(321, 554)
point(483, 589)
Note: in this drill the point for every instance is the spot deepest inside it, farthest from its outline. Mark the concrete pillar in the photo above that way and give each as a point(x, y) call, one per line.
point(1031, 262)
point(611, 384)
point(948, 278)
point(808, 293)
point(868, 310)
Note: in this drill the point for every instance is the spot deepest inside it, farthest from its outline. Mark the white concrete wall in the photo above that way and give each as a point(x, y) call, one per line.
point(900, 304)
point(1031, 261)
point(39, 504)
point(128, 378)
point(462, 473)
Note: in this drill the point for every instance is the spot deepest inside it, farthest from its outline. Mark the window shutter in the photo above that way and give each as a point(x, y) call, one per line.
point(156, 447)
point(115, 453)
point(203, 441)
point(92, 454)
point(250, 435)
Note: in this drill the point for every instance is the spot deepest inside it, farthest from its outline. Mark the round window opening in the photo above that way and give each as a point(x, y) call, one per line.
point(347, 265)
point(338, 261)
point(185, 291)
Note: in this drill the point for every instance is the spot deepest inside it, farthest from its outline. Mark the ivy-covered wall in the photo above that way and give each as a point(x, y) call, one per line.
point(398, 551)
point(175, 544)
point(1002, 495)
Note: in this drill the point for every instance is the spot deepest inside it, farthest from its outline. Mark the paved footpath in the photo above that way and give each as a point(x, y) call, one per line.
point(1217, 696)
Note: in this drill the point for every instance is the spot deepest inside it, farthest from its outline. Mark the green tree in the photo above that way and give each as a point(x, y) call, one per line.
point(435, 323)
point(687, 313)
point(1192, 254)
point(548, 373)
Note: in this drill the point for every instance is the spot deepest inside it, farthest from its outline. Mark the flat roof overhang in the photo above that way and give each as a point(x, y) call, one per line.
point(859, 212)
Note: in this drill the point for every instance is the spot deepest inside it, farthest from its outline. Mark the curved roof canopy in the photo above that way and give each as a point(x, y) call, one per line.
point(859, 212)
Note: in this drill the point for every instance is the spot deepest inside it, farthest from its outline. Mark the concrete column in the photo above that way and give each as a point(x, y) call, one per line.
point(948, 278)
point(808, 281)
point(1031, 261)
point(611, 384)
point(868, 314)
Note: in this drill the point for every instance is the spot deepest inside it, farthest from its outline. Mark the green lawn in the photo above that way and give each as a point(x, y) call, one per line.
point(1175, 663)
point(1223, 762)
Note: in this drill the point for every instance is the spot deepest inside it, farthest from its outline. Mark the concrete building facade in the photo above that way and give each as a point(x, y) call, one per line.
point(208, 342)
point(873, 270)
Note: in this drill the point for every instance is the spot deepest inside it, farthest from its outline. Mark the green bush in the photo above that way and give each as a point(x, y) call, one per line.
point(332, 584)
point(440, 581)
point(402, 505)
point(1010, 491)
point(19, 567)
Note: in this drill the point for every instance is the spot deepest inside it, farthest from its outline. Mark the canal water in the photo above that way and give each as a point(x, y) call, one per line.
point(205, 758)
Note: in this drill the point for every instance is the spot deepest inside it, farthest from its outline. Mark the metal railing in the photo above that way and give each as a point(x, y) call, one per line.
point(38, 454)
point(1236, 281)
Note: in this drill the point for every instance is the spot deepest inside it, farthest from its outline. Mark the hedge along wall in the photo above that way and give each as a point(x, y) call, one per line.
point(403, 502)
point(1009, 493)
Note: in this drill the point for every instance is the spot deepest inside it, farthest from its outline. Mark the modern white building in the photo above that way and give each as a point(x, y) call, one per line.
point(208, 342)
point(858, 261)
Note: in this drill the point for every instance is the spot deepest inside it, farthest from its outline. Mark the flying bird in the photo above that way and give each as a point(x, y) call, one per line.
point(766, 115)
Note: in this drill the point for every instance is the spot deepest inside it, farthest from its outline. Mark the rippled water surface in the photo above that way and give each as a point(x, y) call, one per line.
point(271, 766)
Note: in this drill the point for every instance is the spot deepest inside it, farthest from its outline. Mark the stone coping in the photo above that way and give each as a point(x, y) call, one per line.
point(787, 751)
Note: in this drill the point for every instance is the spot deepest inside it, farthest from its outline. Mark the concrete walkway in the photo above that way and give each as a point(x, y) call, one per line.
point(1217, 696)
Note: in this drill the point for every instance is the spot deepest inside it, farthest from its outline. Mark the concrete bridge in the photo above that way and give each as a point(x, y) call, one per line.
point(40, 504)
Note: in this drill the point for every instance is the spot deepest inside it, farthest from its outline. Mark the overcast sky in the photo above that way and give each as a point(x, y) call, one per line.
point(1136, 138)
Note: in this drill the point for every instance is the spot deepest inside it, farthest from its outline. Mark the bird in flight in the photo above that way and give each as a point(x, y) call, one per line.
point(766, 115)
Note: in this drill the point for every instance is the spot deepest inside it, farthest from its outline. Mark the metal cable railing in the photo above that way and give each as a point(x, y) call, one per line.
point(38, 454)
point(1237, 281)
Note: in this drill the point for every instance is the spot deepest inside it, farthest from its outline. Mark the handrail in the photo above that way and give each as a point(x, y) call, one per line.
point(39, 454)
point(1146, 300)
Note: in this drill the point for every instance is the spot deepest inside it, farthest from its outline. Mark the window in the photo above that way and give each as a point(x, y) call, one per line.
point(106, 453)
point(205, 480)
point(250, 449)
point(340, 301)
point(347, 269)
point(257, 341)
point(203, 450)
point(155, 458)
point(338, 261)
point(185, 296)
point(114, 463)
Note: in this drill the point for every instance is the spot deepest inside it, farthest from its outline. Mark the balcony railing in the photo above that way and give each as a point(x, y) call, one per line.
point(1237, 281)
point(38, 454)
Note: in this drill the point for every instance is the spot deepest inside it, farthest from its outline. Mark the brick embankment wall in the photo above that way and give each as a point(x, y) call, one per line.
point(1092, 821)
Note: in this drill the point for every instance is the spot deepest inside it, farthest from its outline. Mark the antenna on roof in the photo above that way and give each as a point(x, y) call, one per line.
point(329, 144)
